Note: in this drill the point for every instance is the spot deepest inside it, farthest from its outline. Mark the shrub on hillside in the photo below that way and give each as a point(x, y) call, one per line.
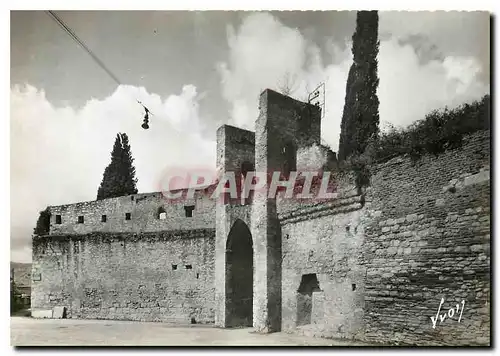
point(438, 131)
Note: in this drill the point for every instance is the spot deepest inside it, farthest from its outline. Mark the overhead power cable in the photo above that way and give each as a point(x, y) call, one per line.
point(80, 42)
point(68, 30)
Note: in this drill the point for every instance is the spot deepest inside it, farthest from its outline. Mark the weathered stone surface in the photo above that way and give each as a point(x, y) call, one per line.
point(125, 277)
point(235, 149)
point(450, 264)
point(59, 312)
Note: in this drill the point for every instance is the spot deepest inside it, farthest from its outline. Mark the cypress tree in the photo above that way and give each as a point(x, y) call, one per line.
point(360, 119)
point(129, 180)
point(119, 176)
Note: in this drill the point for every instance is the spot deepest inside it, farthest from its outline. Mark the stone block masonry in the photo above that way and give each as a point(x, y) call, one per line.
point(376, 266)
point(166, 276)
point(235, 151)
point(327, 249)
point(284, 125)
point(427, 238)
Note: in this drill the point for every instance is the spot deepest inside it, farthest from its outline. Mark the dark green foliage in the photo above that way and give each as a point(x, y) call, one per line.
point(347, 126)
point(129, 180)
point(43, 223)
point(439, 131)
point(360, 118)
point(119, 176)
point(362, 174)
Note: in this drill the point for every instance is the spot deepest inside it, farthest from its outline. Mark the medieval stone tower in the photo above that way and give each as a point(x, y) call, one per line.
point(248, 236)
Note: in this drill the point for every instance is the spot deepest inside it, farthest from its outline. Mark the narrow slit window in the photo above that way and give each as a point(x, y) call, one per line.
point(289, 153)
point(127, 216)
point(103, 218)
point(161, 213)
point(80, 219)
point(189, 211)
point(58, 219)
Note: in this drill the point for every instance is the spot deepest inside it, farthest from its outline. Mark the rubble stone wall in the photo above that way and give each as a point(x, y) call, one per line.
point(167, 276)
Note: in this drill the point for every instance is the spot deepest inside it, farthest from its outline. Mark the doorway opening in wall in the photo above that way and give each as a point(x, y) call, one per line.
point(308, 285)
point(239, 276)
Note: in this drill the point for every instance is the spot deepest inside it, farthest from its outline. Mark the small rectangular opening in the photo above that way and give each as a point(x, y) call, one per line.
point(127, 216)
point(58, 219)
point(103, 218)
point(132, 198)
point(353, 286)
point(80, 219)
point(174, 267)
point(189, 267)
point(189, 211)
point(197, 275)
point(308, 286)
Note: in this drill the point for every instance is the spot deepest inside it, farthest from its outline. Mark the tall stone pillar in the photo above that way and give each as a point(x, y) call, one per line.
point(235, 148)
point(283, 124)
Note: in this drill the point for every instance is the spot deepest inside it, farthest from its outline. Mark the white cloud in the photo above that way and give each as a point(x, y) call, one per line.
point(58, 155)
point(449, 30)
point(263, 51)
point(409, 90)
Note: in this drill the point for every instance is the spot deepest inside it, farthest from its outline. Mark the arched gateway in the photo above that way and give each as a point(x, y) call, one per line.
point(239, 276)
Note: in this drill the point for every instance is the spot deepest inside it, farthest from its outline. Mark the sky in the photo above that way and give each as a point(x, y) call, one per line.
point(196, 71)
